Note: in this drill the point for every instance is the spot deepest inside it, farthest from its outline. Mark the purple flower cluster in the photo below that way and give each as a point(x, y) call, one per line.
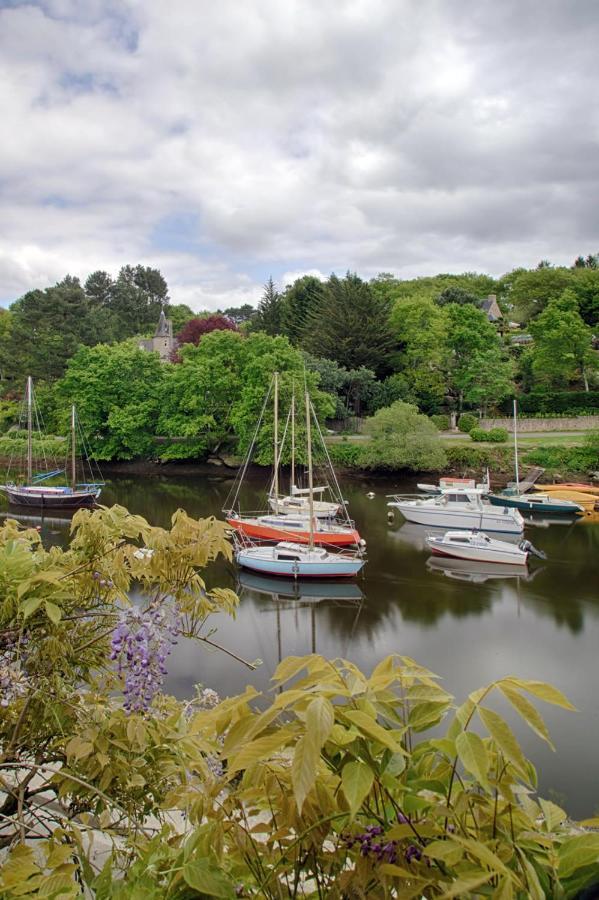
point(14, 681)
point(140, 644)
point(372, 843)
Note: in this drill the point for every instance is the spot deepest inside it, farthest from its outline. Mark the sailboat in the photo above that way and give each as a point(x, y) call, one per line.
point(303, 526)
point(293, 559)
point(34, 493)
point(532, 503)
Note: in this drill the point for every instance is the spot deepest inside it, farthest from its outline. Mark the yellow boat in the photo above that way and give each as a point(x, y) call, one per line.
point(568, 486)
point(588, 501)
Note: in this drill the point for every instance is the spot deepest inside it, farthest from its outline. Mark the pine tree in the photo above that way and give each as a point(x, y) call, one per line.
point(351, 326)
point(300, 300)
point(270, 309)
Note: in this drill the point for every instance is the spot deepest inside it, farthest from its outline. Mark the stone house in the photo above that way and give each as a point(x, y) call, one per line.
point(490, 306)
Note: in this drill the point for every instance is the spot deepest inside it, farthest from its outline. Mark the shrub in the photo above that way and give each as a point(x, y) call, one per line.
point(493, 435)
point(555, 402)
point(467, 422)
point(345, 454)
point(440, 420)
point(402, 438)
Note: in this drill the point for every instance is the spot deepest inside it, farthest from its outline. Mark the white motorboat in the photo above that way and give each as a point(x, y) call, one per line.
point(476, 545)
point(461, 509)
point(298, 561)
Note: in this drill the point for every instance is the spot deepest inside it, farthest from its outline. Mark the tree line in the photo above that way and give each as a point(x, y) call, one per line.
point(365, 345)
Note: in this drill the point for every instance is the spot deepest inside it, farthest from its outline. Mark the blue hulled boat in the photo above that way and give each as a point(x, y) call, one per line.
point(536, 503)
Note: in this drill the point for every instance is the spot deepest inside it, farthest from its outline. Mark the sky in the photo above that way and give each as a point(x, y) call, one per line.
point(225, 142)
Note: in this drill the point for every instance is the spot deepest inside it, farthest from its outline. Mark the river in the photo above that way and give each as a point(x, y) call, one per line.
point(468, 624)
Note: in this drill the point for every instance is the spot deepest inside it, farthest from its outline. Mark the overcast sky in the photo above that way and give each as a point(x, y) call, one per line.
point(223, 142)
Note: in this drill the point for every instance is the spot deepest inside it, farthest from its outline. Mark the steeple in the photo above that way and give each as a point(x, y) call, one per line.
point(165, 328)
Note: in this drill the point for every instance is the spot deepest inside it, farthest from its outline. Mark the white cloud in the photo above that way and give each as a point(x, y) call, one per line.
point(293, 137)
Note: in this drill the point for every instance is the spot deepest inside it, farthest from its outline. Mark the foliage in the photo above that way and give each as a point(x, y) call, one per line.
point(351, 326)
point(493, 435)
point(529, 291)
point(467, 422)
point(429, 287)
point(240, 314)
point(14, 445)
point(179, 314)
point(568, 459)
point(215, 396)
point(441, 421)
point(420, 328)
point(269, 317)
point(402, 438)
point(117, 391)
point(193, 331)
point(559, 402)
point(479, 373)
point(9, 414)
point(64, 732)
point(461, 459)
point(300, 301)
point(456, 295)
point(562, 348)
point(346, 454)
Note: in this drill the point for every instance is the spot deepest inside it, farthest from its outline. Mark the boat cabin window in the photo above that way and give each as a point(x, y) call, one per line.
point(290, 556)
point(459, 540)
point(458, 498)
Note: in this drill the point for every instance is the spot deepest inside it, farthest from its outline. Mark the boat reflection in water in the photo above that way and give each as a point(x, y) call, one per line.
point(478, 572)
point(54, 530)
point(306, 592)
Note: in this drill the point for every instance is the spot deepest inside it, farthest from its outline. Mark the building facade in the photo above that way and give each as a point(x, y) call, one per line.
point(163, 341)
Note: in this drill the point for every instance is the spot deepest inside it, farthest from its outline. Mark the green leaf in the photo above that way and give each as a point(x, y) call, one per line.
point(576, 852)
point(529, 713)
point(461, 887)
point(554, 815)
point(368, 726)
point(28, 607)
point(304, 768)
point(356, 779)
point(473, 756)
point(261, 748)
point(53, 612)
point(544, 691)
point(320, 718)
point(505, 740)
point(485, 855)
point(204, 876)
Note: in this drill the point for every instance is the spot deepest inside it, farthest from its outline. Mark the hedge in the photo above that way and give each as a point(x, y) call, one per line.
point(564, 402)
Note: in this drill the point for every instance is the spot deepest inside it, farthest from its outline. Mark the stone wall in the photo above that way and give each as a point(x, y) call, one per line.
point(564, 423)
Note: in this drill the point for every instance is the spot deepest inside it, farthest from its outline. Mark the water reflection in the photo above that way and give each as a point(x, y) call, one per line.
point(478, 572)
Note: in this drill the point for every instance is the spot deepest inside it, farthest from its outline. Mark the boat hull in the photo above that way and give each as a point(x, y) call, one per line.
point(527, 503)
point(569, 486)
point(440, 517)
point(298, 568)
point(42, 500)
point(264, 532)
point(476, 554)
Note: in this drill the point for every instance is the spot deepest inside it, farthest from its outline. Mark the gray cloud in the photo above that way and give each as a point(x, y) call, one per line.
point(298, 136)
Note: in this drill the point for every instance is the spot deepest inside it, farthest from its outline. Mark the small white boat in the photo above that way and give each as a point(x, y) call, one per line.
point(298, 502)
point(462, 509)
point(298, 561)
point(476, 545)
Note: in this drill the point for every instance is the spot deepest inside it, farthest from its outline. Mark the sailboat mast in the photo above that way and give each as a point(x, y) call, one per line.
point(73, 442)
point(310, 478)
point(29, 430)
point(516, 446)
point(292, 479)
point(276, 437)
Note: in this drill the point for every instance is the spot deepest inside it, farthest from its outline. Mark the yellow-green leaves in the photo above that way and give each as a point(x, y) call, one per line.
point(356, 779)
point(578, 852)
point(368, 726)
point(205, 876)
point(504, 738)
point(528, 712)
point(473, 756)
point(320, 719)
point(543, 691)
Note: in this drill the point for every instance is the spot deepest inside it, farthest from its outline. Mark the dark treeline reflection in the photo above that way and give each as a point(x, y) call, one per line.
point(467, 622)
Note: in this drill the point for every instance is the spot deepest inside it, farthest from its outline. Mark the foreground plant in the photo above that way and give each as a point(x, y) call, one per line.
point(330, 788)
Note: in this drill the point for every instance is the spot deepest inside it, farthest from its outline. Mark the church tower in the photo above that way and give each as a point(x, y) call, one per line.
point(163, 341)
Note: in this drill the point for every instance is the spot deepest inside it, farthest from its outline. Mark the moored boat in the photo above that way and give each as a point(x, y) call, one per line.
point(569, 485)
point(37, 495)
point(293, 560)
point(296, 528)
point(451, 484)
point(533, 503)
point(478, 546)
point(462, 509)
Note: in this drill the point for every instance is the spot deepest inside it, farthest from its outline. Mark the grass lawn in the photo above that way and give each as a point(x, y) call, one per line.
point(526, 441)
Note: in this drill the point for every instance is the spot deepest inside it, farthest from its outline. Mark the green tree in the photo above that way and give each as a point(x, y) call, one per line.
point(456, 295)
point(562, 350)
point(138, 296)
point(351, 326)
point(270, 310)
point(48, 327)
point(402, 438)
point(118, 391)
point(179, 314)
point(474, 344)
point(300, 300)
point(421, 329)
point(585, 284)
point(529, 291)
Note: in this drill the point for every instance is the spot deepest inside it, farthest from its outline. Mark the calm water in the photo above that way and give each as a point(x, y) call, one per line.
point(468, 624)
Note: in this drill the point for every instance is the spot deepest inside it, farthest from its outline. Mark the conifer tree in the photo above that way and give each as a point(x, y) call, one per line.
point(270, 309)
